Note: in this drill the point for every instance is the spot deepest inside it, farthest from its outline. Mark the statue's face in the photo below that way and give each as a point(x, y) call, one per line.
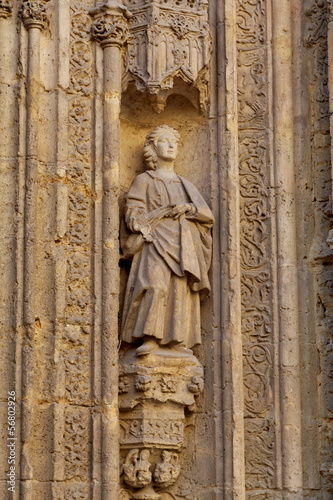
point(167, 146)
point(145, 454)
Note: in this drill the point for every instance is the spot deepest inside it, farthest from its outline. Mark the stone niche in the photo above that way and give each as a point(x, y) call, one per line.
point(156, 57)
point(162, 402)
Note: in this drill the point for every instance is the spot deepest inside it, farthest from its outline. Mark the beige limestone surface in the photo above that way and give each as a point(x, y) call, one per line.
point(248, 86)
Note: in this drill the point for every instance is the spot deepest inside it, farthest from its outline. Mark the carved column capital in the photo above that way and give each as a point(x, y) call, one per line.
point(6, 7)
point(110, 25)
point(33, 13)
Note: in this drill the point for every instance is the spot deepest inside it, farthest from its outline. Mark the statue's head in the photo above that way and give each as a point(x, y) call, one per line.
point(151, 150)
point(145, 454)
point(166, 455)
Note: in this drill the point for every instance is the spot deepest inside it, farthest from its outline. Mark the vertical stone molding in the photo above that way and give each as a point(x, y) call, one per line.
point(34, 18)
point(11, 190)
point(229, 305)
point(330, 87)
point(289, 346)
point(61, 355)
point(110, 29)
point(6, 7)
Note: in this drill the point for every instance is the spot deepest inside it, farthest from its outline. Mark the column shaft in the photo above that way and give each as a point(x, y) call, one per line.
point(30, 212)
point(287, 249)
point(232, 363)
point(110, 277)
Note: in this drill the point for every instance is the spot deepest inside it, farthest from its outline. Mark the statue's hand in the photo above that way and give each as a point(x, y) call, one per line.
point(136, 226)
point(136, 219)
point(182, 209)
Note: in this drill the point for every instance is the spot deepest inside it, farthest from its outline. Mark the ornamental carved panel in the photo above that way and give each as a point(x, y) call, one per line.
point(255, 251)
point(77, 330)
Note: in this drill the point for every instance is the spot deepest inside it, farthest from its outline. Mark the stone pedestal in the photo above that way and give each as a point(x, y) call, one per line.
point(154, 392)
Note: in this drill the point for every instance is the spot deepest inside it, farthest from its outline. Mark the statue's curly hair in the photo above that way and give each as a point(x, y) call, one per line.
point(149, 148)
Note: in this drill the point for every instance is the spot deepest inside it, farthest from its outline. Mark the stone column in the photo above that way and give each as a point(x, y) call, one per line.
point(287, 251)
point(34, 18)
point(110, 30)
point(60, 229)
point(232, 364)
point(10, 377)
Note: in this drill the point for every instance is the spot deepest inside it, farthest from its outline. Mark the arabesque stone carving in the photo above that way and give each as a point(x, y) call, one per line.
point(6, 7)
point(255, 244)
point(76, 237)
point(317, 40)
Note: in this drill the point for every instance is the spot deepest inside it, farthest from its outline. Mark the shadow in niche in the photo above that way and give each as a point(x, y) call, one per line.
point(185, 96)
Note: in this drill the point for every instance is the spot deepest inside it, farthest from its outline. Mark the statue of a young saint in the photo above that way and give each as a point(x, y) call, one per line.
point(169, 237)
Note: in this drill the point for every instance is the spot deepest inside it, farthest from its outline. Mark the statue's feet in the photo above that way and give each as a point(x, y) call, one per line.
point(181, 348)
point(147, 347)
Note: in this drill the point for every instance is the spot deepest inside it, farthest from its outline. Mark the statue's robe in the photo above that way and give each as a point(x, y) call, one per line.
point(169, 274)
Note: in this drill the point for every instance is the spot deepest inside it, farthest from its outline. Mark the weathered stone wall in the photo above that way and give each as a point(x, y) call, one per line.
point(256, 141)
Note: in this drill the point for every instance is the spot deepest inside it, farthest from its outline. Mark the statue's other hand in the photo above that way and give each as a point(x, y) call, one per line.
point(136, 226)
point(136, 220)
point(159, 213)
point(179, 210)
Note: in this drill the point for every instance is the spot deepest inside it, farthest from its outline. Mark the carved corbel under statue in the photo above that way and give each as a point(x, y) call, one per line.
point(167, 233)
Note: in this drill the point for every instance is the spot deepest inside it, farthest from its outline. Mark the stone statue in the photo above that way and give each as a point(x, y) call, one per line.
point(168, 234)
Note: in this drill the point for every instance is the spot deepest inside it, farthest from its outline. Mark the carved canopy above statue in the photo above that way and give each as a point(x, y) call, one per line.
point(168, 39)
